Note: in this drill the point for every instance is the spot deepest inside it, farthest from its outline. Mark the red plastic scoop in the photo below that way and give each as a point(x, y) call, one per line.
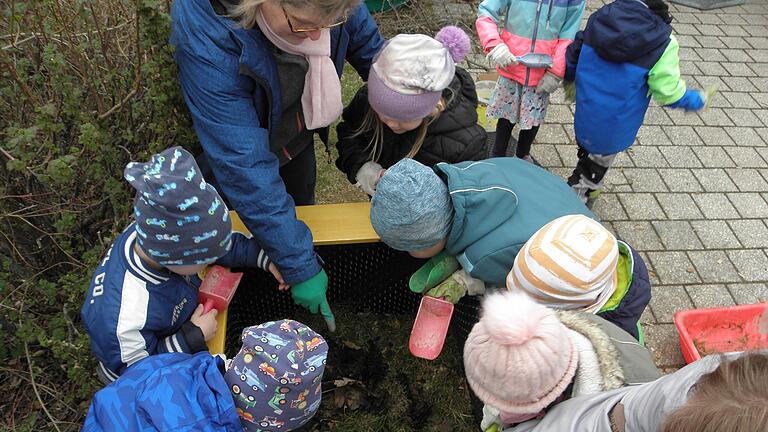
point(430, 327)
point(218, 287)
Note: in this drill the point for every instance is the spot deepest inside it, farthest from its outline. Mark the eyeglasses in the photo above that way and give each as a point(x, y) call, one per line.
point(296, 29)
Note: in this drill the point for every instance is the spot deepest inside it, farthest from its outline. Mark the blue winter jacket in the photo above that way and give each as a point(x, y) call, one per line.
point(132, 311)
point(498, 205)
point(625, 55)
point(228, 76)
point(168, 392)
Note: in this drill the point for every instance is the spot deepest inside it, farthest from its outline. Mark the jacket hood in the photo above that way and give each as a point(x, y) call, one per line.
point(625, 30)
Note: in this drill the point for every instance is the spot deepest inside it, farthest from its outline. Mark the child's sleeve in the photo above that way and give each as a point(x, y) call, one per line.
point(572, 56)
point(487, 24)
point(189, 339)
point(354, 150)
point(245, 252)
point(567, 33)
point(665, 84)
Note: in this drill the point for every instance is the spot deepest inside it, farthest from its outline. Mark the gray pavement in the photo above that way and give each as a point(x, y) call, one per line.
point(691, 194)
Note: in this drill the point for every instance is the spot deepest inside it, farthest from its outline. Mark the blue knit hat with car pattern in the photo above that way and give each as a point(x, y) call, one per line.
point(276, 377)
point(180, 218)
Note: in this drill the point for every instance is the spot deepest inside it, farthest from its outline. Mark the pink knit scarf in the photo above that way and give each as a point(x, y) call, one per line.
point(321, 99)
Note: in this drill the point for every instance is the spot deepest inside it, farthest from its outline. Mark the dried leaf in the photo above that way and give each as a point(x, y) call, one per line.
point(352, 345)
point(345, 382)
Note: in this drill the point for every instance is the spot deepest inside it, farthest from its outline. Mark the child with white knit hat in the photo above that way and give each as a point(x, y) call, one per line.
point(575, 263)
point(418, 103)
point(522, 358)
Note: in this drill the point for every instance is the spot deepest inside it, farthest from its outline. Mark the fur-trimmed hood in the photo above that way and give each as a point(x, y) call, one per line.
point(615, 359)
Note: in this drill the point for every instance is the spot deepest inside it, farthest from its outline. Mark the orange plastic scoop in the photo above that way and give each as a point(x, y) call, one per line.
point(430, 327)
point(218, 287)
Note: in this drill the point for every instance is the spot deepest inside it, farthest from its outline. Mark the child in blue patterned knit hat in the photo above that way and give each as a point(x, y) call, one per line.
point(273, 384)
point(142, 299)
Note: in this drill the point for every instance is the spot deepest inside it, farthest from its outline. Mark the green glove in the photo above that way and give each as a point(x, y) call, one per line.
point(450, 290)
point(570, 91)
point(310, 294)
point(436, 270)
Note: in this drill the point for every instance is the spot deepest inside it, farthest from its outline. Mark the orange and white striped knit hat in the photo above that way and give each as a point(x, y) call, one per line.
point(569, 263)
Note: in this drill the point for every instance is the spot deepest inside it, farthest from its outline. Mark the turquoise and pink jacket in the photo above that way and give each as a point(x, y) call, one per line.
point(540, 26)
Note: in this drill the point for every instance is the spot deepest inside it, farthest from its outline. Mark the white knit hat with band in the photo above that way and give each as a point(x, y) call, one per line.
point(569, 263)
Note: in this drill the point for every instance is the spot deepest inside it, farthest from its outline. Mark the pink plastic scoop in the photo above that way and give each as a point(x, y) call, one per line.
point(430, 327)
point(218, 287)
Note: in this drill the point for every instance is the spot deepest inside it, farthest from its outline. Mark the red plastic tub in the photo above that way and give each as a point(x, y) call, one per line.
point(719, 330)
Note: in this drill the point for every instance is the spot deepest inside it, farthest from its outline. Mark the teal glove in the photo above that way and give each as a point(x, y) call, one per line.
point(436, 270)
point(310, 294)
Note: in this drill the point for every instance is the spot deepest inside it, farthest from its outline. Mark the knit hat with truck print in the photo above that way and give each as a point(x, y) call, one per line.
point(519, 357)
point(180, 218)
point(275, 378)
point(409, 74)
point(569, 263)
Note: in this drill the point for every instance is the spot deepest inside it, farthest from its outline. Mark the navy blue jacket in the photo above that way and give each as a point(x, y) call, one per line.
point(228, 76)
point(625, 55)
point(132, 311)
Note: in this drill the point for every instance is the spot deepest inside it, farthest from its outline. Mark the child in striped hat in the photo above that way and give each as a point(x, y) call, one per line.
point(574, 263)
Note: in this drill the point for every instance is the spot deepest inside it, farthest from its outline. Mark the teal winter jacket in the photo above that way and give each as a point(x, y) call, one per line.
point(499, 204)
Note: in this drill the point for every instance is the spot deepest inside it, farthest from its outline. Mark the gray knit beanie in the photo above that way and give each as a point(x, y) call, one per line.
point(411, 209)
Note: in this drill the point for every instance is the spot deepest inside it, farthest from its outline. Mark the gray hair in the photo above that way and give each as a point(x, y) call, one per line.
point(245, 11)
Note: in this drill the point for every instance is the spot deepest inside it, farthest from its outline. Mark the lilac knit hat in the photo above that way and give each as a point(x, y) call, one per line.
point(519, 358)
point(410, 73)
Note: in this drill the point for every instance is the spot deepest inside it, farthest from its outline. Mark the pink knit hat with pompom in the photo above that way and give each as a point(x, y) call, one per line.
point(410, 73)
point(519, 358)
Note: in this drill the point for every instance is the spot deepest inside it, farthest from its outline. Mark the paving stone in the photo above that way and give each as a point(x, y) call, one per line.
point(741, 100)
point(647, 157)
point(678, 206)
point(757, 42)
point(715, 206)
point(746, 157)
point(749, 205)
point(682, 135)
point(608, 208)
point(714, 136)
point(677, 235)
point(656, 116)
point(567, 154)
point(710, 54)
point(647, 317)
point(644, 180)
point(715, 234)
point(747, 179)
point(663, 343)
point(687, 41)
point(738, 69)
point(623, 160)
point(558, 114)
point(687, 18)
point(715, 180)
point(759, 82)
point(732, 19)
point(759, 55)
point(680, 180)
point(681, 157)
point(710, 42)
point(752, 264)
point(708, 80)
point(551, 134)
point(641, 206)
point(689, 69)
point(760, 69)
point(740, 84)
point(616, 180)
point(546, 155)
point(712, 68)
point(653, 135)
point(714, 157)
point(707, 296)
point(715, 117)
point(706, 29)
point(736, 55)
point(735, 42)
point(752, 233)
point(668, 299)
point(743, 117)
point(745, 137)
point(673, 267)
point(748, 293)
point(713, 266)
point(681, 117)
point(690, 29)
point(639, 235)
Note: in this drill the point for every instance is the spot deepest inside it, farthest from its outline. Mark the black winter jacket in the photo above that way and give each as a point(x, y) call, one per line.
point(454, 137)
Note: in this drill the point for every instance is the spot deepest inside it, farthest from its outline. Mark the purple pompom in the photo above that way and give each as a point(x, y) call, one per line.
point(455, 41)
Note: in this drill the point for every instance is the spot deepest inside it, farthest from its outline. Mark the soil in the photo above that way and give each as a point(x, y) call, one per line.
point(373, 383)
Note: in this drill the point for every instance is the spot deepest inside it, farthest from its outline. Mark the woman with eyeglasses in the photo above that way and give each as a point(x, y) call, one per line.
point(260, 77)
